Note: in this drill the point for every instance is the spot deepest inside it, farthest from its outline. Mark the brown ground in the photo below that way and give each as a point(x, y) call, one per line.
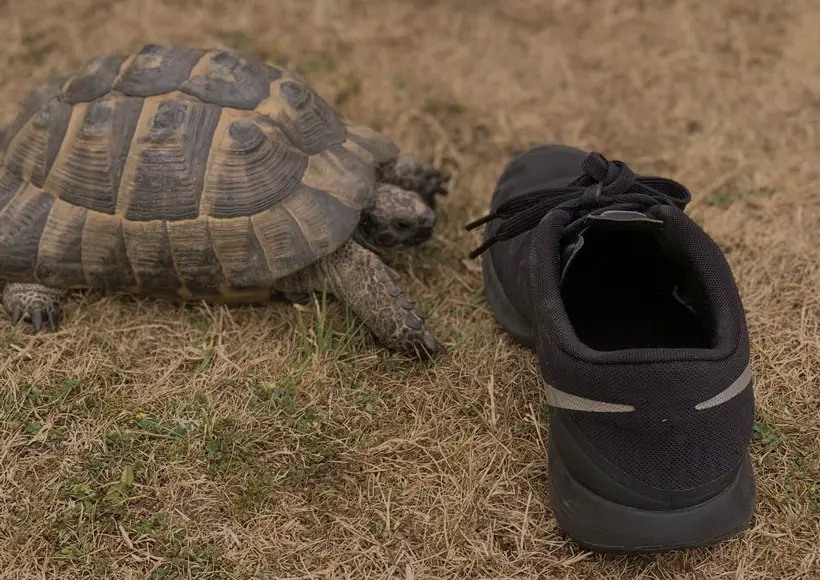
point(261, 450)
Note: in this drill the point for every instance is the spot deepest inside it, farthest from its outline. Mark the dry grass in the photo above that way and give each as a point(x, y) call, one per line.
point(259, 450)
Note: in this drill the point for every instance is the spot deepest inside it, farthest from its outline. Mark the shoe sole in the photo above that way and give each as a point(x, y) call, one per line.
point(601, 525)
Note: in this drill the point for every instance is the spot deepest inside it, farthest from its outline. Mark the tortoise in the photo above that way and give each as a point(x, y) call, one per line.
point(200, 174)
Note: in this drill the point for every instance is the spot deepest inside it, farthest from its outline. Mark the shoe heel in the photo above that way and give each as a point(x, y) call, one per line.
point(601, 525)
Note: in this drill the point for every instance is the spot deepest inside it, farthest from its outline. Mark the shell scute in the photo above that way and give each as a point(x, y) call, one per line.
point(59, 260)
point(251, 169)
point(32, 154)
point(156, 70)
point(168, 159)
point(22, 222)
point(89, 166)
point(96, 79)
point(228, 80)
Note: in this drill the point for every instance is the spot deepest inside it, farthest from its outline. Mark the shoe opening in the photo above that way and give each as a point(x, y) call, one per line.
point(630, 289)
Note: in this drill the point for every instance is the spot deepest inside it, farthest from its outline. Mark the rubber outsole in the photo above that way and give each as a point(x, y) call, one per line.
point(600, 525)
point(604, 526)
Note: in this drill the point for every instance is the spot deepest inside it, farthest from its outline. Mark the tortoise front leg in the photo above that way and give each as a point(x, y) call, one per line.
point(413, 174)
point(358, 277)
point(34, 302)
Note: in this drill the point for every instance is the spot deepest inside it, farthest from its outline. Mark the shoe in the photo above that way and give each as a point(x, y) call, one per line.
point(642, 342)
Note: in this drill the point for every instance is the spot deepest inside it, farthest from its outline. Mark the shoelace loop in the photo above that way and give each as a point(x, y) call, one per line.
point(603, 185)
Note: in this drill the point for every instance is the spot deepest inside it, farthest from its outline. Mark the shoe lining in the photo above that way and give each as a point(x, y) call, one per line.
point(627, 290)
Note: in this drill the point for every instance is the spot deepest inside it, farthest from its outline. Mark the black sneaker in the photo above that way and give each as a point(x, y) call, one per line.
point(642, 342)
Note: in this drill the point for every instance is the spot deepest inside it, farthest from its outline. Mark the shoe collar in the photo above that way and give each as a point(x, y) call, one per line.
point(549, 256)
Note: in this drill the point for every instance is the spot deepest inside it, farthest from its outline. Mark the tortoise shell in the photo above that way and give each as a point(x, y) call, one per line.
point(189, 171)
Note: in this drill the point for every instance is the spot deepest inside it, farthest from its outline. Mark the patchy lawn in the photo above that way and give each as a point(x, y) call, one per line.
point(153, 440)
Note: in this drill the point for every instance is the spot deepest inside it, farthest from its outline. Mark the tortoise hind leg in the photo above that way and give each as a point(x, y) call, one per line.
point(358, 277)
point(35, 302)
point(411, 173)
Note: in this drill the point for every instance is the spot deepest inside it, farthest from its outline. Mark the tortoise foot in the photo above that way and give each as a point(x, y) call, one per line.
point(34, 303)
point(409, 172)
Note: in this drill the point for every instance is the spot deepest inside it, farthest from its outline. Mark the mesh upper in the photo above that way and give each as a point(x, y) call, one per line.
point(665, 443)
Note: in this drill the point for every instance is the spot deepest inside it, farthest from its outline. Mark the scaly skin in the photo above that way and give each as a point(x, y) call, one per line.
point(358, 277)
point(408, 172)
point(34, 302)
point(398, 217)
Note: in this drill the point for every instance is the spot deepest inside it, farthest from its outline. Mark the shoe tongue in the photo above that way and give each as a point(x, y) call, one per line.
point(611, 220)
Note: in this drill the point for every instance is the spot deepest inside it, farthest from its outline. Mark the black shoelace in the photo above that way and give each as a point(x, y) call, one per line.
point(603, 185)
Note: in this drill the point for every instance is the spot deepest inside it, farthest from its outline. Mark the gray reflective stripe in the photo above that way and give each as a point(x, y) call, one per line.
point(564, 400)
point(560, 399)
point(733, 390)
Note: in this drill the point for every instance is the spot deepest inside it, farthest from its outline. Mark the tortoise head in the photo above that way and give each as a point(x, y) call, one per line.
point(397, 217)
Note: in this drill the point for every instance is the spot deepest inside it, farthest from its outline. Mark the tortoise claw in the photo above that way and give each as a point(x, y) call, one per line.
point(53, 319)
point(37, 319)
point(16, 315)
